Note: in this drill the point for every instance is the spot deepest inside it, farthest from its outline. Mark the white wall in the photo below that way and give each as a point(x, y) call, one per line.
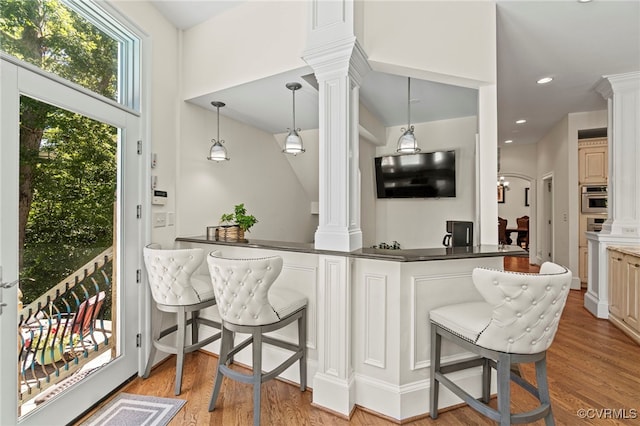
point(553, 159)
point(252, 40)
point(159, 101)
point(257, 175)
point(422, 222)
point(305, 165)
point(444, 41)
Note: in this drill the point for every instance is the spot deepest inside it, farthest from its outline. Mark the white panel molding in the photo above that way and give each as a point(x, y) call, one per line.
point(310, 273)
point(375, 320)
point(417, 281)
point(328, 15)
point(330, 21)
point(412, 399)
point(333, 383)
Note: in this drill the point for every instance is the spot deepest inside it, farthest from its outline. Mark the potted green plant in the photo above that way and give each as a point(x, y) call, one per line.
point(235, 224)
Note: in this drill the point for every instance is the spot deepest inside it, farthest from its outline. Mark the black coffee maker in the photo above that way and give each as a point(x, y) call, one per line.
point(459, 234)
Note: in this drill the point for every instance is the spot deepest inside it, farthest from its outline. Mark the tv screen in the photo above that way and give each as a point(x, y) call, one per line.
point(421, 175)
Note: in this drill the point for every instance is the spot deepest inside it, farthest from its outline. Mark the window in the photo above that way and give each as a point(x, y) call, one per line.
point(75, 40)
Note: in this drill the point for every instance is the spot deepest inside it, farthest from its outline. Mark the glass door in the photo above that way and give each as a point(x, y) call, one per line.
point(70, 185)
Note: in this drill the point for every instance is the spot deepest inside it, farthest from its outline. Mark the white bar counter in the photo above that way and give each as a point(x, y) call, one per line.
point(368, 330)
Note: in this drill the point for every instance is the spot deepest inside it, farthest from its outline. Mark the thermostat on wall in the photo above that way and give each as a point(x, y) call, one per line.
point(159, 198)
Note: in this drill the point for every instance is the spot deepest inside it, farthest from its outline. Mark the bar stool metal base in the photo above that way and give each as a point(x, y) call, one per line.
point(228, 350)
point(179, 349)
point(501, 362)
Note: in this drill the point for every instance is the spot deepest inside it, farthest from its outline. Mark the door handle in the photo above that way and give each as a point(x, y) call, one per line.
point(8, 285)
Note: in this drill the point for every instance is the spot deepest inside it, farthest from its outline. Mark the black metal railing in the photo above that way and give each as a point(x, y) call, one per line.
point(65, 328)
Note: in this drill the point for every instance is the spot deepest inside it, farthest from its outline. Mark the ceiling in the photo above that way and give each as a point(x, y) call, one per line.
point(575, 43)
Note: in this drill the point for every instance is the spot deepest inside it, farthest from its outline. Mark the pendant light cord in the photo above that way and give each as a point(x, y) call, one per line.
point(218, 113)
point(409, 102)
point(294, 110)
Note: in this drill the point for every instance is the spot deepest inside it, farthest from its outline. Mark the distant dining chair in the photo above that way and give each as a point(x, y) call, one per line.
point(503, 237)
point(249, 304)
point(523, 236)
point(515, 324)
point(177, 290)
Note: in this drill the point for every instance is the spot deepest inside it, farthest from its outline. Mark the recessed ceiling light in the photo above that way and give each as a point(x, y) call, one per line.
point(508, 141)
point(521, 121)
point(584, 1)
point(545, 80)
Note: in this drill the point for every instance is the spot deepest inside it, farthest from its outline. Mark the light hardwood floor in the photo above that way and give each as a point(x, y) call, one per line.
point(592, 366)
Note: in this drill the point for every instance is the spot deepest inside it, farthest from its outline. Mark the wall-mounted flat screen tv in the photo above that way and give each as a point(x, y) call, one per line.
point(421, 175)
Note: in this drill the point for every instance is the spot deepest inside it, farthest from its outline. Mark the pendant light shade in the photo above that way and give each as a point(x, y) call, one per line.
point(218, 152)
point(407, 144)
point(293, 142)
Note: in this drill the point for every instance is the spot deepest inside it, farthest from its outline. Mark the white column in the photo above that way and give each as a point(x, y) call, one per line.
point(339, 69)
point(623, 95)
point(487, 165)
point(622, 227)
point(334, 382)
point(339, 65)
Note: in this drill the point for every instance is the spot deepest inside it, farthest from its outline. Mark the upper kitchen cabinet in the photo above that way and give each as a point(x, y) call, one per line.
point(592, 161)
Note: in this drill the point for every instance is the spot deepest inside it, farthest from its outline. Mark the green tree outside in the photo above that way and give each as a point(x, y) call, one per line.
point(68, 162)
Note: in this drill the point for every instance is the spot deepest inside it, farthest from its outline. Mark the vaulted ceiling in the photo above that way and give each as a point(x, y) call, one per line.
point(574, 42)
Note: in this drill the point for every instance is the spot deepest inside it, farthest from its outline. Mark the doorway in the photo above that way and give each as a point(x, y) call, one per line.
point(546, 252)
point(77, 314)
point(518, 205)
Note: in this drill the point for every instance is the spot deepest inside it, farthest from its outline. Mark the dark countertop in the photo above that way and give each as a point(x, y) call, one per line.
point(410, 255)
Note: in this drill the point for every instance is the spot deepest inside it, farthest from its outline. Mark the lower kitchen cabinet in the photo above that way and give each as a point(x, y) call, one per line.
point(624, 289)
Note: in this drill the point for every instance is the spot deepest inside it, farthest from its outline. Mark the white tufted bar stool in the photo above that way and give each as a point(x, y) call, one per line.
point(177, 290)
point(515, 324)
point(248, 304)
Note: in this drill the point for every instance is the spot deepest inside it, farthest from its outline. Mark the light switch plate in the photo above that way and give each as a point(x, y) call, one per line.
point(159, 219)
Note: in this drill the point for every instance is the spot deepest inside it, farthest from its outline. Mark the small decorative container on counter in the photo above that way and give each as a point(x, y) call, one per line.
point(225, 233)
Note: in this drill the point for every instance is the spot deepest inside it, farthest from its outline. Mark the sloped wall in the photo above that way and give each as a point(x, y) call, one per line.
point(257, 175)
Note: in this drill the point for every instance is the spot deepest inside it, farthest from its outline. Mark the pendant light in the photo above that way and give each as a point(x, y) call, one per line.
point(293, 142)
point(218, 152)
point(502, 183)
point(407, 144)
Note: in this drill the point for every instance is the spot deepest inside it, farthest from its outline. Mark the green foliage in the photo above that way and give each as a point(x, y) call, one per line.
point(50, 36)
point(240, 218)
point(68, 163)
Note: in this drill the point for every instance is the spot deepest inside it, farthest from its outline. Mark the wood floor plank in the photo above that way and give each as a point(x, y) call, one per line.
point(591, 365)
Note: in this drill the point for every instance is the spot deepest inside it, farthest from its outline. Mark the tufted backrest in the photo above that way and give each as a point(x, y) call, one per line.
point(169, 273)
point(526, 307)
point(241, 287)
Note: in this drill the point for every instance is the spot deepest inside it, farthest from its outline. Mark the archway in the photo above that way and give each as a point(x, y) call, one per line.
point(520, 200)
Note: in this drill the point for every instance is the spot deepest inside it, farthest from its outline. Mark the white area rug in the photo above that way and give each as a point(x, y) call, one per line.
point(136, 410)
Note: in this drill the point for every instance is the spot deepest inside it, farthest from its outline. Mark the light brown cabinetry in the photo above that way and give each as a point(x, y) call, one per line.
point(593, 169)
point(593, 164)
point(624, 289)
point(583, 262)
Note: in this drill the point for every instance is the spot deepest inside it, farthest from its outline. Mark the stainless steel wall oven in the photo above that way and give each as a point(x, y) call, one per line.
point(594, 199)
